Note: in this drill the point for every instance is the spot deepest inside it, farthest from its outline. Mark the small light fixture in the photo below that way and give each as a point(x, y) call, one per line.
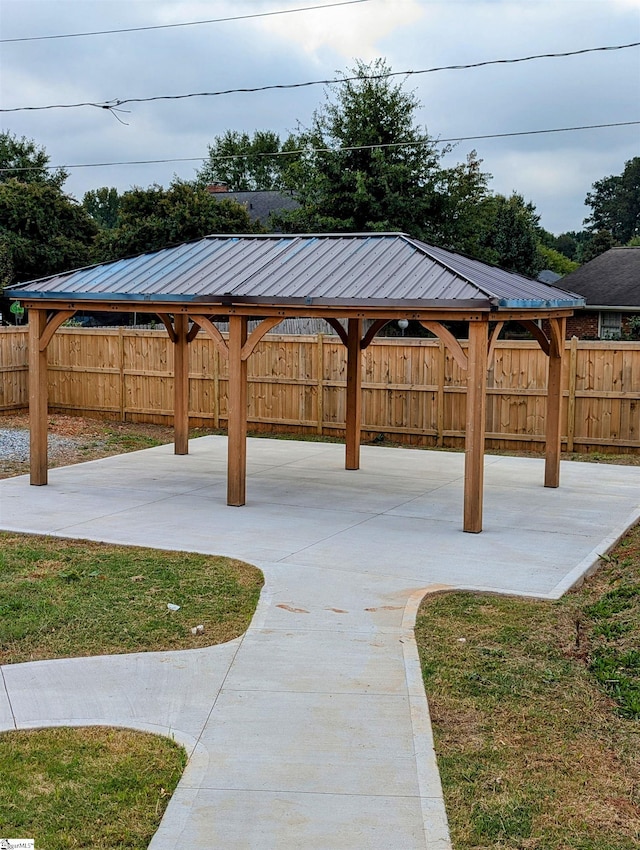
point(403, 324)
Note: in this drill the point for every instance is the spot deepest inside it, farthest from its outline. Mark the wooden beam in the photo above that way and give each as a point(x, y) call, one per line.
point(554, 404)
point(181, 385)
point(166, 321)
point(354, 394)
point(373, 330)
point(449, 340)
point(193, 331)
point(52, 326)
point(475, 426)
point(493, 339)
point(338, 328)
point(37, 397)
point(537, 333)
point(256, 335)
point(237, 413)
point(212, 331)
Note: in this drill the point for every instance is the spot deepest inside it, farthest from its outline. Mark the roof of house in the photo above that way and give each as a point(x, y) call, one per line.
point(610, 280)
point(260, 205)
point(549, 276)
point(367, 269)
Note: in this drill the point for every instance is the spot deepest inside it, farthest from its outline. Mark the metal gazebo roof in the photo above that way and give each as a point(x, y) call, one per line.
point(376, 269)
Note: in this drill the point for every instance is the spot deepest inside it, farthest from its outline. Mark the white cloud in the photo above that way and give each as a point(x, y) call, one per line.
point(349, 31)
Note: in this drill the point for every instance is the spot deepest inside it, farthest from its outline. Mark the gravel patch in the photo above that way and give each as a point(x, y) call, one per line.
point(14, 444)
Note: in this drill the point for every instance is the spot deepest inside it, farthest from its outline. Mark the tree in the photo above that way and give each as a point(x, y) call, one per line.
point(23, 160)
point(549, 258)
point(155, 218)
point(245, 163)
point(42, 231)
point(366, 165)
point(510, 234)
point(102, 205)
point(615, 204)
point(600, 242)
point(464, 192)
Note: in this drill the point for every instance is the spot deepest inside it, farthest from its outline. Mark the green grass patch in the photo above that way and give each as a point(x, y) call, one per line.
point(536, 712)
point(62, 598)
point(94, 788)
point(129, 442)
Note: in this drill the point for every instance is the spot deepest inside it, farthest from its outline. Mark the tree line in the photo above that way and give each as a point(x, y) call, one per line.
point(363, 164)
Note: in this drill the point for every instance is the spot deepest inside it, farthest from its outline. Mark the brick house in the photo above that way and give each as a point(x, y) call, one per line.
point(610, 284)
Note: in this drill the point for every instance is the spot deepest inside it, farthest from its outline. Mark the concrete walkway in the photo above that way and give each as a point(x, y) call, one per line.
point(311, 730)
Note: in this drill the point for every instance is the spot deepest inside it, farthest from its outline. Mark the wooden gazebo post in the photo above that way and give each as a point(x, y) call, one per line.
point(38, 397)
point(558, 328)
point(475, 425)
point(237, 412)
point(354, 395)
point(181, 384)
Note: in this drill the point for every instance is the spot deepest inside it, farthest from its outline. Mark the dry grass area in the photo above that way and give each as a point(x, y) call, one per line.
point(85, 439)
point(536, 712)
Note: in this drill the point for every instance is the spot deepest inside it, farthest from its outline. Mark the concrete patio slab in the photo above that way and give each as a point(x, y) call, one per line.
point(312, 730)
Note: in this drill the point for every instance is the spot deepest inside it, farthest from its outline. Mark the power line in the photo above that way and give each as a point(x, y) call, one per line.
point(117, 102)
point(327, 150)
point(184, 24)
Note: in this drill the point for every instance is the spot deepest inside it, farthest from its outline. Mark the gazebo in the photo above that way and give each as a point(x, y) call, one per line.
point(380, 277)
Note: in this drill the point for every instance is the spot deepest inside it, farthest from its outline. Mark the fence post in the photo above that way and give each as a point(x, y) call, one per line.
point(571, 405)
point(122, 375)
point(442, 360)
point(320, 380)
point(216, 385)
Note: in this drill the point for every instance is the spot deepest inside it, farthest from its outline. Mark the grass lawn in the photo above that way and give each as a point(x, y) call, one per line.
point(93, 788)
point(100, 788)
point(536, 712)
point(60, 598)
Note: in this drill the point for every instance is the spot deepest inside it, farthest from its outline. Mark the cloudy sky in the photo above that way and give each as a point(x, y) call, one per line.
point(555, 171)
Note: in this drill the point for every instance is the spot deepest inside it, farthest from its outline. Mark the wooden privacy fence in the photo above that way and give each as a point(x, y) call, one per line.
point(413, 391)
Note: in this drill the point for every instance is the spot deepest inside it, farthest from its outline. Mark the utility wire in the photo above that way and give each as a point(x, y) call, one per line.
point(117, 102)
point(184, 24)
point(326, 150)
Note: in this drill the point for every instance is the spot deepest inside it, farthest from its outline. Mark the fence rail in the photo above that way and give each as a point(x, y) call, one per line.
point(413, 390)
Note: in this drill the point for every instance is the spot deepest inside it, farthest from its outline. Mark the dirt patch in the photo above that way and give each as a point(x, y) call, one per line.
point(77, 439)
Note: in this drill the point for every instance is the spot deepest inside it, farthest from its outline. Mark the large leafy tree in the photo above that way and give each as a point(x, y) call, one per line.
point(103, 205)
point(615, 204)
point(367, 165)
point(509, 234)
point(154, 218)
point(42, 230)
point(549, 258)
point(464, 212)
point(248, 163)
point(22, 159)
